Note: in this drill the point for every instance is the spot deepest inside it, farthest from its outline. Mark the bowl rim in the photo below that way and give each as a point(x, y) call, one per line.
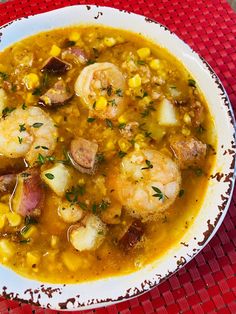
point(48, 295)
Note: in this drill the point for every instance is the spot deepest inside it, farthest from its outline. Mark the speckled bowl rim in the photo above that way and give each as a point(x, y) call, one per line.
point(221, 182)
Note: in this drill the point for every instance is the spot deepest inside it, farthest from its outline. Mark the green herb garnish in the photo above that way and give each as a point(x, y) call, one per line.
point(90, 120)
point(158, 193)
point(37, 125)
point(50, 176)
point(23, 106)
point(191, 83)
point(4, 76)
point(109, 123)
point(149, 165)
point(37, 91)
point(121, 154)
point(22, 127)
point(119, 92)
point(20, 139)
point(181, 193)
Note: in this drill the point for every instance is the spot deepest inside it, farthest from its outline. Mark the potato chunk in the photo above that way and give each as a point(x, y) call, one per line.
point(57, 178)
point(166, 114)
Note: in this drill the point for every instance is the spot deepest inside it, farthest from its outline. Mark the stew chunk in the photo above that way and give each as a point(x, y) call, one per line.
point(188, 151)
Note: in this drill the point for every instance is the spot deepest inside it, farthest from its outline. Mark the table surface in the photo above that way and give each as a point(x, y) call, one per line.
point(208, 283)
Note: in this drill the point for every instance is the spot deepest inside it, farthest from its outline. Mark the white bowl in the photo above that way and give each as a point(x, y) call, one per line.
point(110, 290)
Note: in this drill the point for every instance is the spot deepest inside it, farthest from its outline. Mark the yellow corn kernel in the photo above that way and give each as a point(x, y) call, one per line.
point(2, 221)
point(101, 103)
point(6, 248)
point(31, 81)
point(55, 51)
point(186, 131)
point(57, 119)
point(14, 219)
point(144, 53)
point(145, 101)
point(61, 139)
point(4, 208)
point(109, 41)
point(139, 138)
point(81, 181)
point(122, 119)
point(124, 145)
point(110, 145)
point(5, 198)
point(155, 64)
point(74, 36)
point(187, 118)
point(120, 39)
point(29, 98)
point(54, 241)
point(135, 81)
point(29, 232)
point(32, 258)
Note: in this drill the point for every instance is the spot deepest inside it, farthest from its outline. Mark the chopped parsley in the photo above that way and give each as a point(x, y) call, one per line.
point(96, 53)
point(121, 154)
point(37, 125)
point(112, 102)
point(20, 139)
point(37, 91)
point(100, 207)
point(43, 147)
point(147, 111)
point(90, 120)
point(149, 165)
point(121, 126)
point(198, 172)
point(200, 129)
point(41, 159)
point(22, 127)
point(100, 157)
point(82, 205)
point(90, 62)
point(181, 193)
point(159, 193)
point(4, 76)
point(50, 176)
point(6, 111)
point(119, 92)
point(109, 123)
point(191, 83)
point(109, 90)
point(141, 62)
point(23, 106)
point(147, 134)
point(70, 43)
point(73, 194)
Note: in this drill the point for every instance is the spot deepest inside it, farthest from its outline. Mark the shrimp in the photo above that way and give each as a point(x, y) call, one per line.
point(146, 184)
point(27, 133)
point(102, 80)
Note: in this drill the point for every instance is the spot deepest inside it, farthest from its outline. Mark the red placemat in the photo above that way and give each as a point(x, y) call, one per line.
point(208, 283)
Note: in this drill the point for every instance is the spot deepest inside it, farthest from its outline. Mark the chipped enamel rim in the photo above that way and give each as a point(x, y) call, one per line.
point(111, 290)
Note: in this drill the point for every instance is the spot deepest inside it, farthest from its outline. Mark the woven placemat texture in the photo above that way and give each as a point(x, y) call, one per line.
point(208, 283)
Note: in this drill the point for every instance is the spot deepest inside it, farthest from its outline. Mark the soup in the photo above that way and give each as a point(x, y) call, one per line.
point(106, 146)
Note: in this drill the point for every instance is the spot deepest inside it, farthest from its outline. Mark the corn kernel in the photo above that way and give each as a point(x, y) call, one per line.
point(31, 81)
point(124, 145)
point(109, 41)
point(55, 51)
point(139, 138)
point(155, 64)
point(14, 219)
point(122, 119)
point(120, 39)
point(61, 139)
point(81, 181)
point(54, 241)
point(70, 261)
point(29, 231)
point(101, 103)
point(32, 258)
point(143, 53)
point(110, 145)
point(145, 101)
point(187, 118)
point(2, 221)
point(74, 36)
point(186, 131)
point(29, 98)
point(57, 119)
point(5, 198)
point(6, 248)
point(4, 208)
point(135, 81)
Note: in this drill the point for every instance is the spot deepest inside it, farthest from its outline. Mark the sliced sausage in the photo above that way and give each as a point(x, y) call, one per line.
point(55, 65)
point(75, 54)
point(188, 151)
point(132, 236)
point(7, 183)
point(28, 196)
point(83, 154)
point(56, 96)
